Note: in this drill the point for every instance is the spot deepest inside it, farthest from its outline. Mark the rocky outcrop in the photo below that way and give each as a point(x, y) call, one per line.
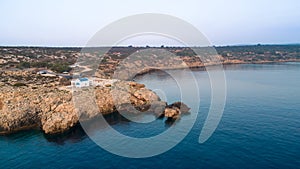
point(25, 107)
point(173, 111)
point(57, 111)
point(59, 120)
point(181, 106)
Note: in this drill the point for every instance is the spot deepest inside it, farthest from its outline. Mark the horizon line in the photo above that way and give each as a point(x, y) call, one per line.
point(154, 46)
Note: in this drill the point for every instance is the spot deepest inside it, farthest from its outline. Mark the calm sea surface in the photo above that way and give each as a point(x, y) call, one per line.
point(260, 127)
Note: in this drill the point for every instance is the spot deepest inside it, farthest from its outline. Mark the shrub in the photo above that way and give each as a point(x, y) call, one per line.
point(19, 84)
point(23, 65)
point(60, 67)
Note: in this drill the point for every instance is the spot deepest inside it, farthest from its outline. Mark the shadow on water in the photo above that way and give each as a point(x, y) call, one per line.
point(115, 118)
point(20, 135)
point(77, 133)
point(117, 122)
point(170, 122)
point(123, 125)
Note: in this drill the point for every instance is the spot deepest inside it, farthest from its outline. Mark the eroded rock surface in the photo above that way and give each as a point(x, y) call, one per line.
point(56, 111)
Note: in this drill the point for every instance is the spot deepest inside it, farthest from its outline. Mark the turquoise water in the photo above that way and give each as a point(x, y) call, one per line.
point(260, 128)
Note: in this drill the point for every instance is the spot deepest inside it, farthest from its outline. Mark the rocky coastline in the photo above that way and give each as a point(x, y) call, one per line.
point(53, 110)
point(48, 108)
point(29, 100)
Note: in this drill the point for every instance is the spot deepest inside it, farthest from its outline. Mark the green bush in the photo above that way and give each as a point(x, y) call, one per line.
point(19, 84)
point(60, 67)
point(23, 65)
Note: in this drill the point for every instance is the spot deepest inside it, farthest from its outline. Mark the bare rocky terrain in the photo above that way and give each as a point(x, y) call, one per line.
point(53, 110)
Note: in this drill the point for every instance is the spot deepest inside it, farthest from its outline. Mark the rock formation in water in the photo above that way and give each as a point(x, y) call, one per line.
point(174, 110)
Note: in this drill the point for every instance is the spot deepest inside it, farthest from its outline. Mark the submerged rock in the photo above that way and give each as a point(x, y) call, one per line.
point(183, 107)
point(158, 108)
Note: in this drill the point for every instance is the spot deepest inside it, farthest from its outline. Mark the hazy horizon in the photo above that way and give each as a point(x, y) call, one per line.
point(72, 23)
point(239, 45)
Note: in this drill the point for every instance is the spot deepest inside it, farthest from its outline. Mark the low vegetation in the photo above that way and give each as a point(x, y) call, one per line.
point(18, 84)
point(56, 67)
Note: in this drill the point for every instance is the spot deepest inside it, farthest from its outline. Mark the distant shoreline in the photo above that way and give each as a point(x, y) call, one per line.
point(203, 68)
point(63, 59)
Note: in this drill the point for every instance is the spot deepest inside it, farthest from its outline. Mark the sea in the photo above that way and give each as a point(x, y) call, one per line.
point(259, 126)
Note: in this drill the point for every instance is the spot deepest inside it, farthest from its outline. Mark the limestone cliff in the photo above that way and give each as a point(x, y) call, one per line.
point(54, 111)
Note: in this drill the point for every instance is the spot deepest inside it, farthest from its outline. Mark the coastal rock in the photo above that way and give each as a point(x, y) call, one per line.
point(172, 113)
point(158, 107)
point(183, 107)
point(61, 119)
point(136, 85)
point(174, 110)
point(17, 111)
point(57, 111)
point(26, 107)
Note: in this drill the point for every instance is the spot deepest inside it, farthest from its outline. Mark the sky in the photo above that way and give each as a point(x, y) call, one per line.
point(223, 22)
